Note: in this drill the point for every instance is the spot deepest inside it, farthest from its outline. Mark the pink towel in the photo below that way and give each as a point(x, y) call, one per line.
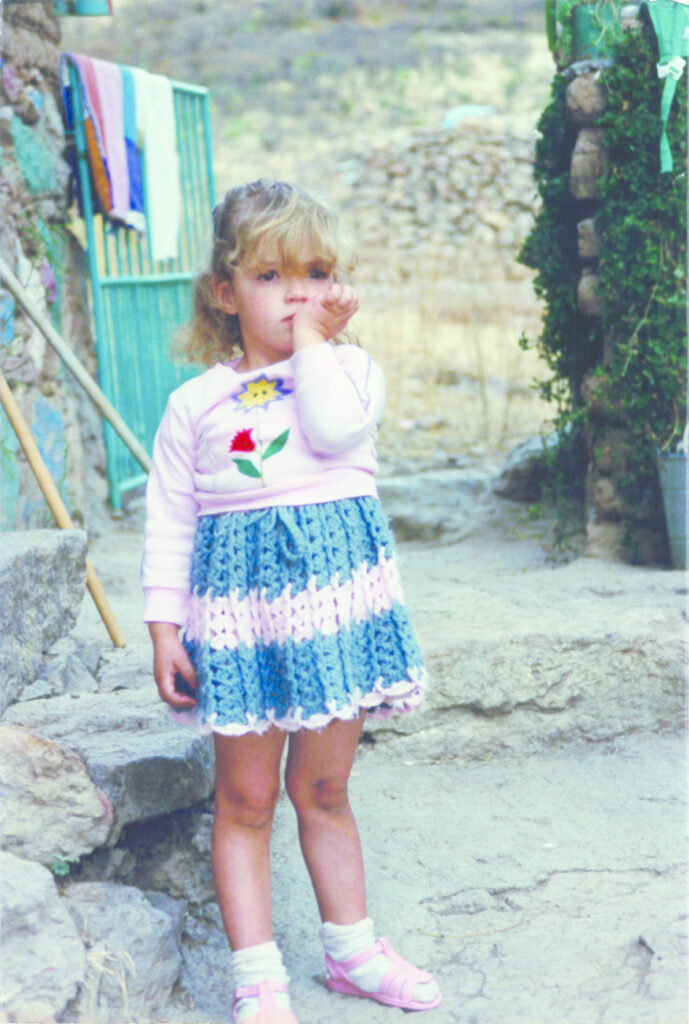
point(109, 110)
point(92, 101)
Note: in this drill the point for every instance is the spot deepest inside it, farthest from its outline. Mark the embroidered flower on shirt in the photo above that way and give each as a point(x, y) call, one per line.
point(261, 392)
point(243, 441)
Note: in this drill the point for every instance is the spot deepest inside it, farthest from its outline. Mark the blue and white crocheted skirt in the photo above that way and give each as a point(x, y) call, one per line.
point(297, 618)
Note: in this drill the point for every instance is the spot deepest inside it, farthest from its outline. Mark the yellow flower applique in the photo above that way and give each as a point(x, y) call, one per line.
point(261, 392)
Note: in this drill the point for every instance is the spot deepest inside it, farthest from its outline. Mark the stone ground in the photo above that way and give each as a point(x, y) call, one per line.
point(527, 841)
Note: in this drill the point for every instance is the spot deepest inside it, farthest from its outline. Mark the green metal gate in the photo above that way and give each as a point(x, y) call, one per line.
point(139, 303)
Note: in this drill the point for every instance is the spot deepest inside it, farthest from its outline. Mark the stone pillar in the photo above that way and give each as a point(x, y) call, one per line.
point(607, 437)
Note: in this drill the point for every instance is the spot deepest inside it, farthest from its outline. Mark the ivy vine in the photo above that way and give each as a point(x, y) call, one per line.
point(643, 265)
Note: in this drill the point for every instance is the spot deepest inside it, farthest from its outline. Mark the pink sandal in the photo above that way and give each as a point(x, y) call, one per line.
point(268, 1010)
point(396, 987)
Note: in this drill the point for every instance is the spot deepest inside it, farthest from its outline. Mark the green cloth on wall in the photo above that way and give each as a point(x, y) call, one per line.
point(670, 20)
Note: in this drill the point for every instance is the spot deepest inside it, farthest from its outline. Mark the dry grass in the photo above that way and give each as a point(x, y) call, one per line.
point(459, 385)
point(455, 390)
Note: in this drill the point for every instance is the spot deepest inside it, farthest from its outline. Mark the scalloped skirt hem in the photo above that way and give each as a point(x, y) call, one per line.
point(400, 698)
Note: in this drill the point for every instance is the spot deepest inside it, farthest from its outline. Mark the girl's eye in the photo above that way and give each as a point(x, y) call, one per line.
point(268, 275)
point(318, 274)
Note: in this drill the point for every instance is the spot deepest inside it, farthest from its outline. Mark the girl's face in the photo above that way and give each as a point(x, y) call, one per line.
point(266, 296)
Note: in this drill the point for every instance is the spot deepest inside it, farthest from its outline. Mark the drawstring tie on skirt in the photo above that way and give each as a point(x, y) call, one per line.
point(284, 520)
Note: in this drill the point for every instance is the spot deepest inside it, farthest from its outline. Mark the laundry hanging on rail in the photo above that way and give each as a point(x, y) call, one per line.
point(131, 141)
point(94, 143)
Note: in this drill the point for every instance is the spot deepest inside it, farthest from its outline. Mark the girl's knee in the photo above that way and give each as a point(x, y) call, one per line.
point(328, 793)
point(249, 805)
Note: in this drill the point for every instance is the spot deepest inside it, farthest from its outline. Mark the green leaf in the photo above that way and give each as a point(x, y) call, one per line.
point(247, 468)
point(277, 445)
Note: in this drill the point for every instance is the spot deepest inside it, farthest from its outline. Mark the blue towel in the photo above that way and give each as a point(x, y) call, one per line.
point(136, 185)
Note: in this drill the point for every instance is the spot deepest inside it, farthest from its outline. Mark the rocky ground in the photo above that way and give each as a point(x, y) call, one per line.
point(524, 833)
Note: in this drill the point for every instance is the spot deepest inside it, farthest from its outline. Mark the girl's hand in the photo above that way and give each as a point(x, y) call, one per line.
point(171, 659)
point(324, 316)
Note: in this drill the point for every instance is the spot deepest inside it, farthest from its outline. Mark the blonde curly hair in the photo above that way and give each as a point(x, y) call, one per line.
point(251, 221)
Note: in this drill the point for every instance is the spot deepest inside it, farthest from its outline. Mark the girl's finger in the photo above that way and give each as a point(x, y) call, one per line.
point(177, 692)
point(341, 297)
point(186, 669)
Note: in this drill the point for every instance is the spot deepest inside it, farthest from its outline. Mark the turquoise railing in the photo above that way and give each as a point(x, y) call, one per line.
point(138, 303)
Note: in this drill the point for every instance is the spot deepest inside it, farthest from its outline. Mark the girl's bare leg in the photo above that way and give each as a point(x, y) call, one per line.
point(316, 777)
point(247, 789)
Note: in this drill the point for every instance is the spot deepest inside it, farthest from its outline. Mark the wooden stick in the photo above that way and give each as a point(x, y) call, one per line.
point(72, 363)
point(56, 505)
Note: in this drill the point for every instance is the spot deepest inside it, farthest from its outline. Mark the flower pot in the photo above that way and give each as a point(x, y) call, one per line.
point(672, 474)
point(80, 7)
point(594, 27)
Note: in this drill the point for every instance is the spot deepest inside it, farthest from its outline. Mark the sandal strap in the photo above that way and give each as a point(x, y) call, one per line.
point(263, 987)
point(268, 1010)
point(362, 958)
point(402, 977)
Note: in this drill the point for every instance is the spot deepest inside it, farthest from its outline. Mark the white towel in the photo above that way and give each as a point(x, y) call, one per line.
point(155, 121)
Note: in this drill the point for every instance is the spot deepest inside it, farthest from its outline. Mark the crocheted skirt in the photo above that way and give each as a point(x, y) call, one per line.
point(297, 618)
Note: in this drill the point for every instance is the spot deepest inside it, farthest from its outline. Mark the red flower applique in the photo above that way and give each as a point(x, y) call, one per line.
point(243, 441)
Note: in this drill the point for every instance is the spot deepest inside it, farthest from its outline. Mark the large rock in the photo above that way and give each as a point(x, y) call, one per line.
point(145, 762)
point(173, 855)
point(63, 671)
point(589, 300)
point(588, 239)
point(43, 958)
point(439, 504)
point(525, 470)
point(585, 652)
point(126, 668)
point(589, 164)
point(586, 98)
point(133, 954)
point(42, 577)
point(50, 810)
point(536, 691)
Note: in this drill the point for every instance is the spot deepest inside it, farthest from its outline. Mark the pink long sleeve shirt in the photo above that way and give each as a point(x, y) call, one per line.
point(294, 433)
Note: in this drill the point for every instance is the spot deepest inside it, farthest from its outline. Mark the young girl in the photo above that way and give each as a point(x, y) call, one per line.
point(265, 542)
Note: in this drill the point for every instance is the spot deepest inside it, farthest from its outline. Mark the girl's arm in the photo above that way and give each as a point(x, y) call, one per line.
point(171, 514)
point(340, 396)
point(340, 392)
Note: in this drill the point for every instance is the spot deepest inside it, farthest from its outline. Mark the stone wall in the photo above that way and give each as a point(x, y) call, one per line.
point(88, 754)
point(37, 243)
point(448, 212)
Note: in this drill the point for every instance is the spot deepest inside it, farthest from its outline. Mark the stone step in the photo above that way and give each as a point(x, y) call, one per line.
point(145, 763)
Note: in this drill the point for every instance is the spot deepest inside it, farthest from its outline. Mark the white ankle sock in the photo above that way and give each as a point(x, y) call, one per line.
point(254, 964)
point(344, 941)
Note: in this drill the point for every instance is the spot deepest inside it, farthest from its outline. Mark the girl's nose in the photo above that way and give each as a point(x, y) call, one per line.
point(296, 289)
